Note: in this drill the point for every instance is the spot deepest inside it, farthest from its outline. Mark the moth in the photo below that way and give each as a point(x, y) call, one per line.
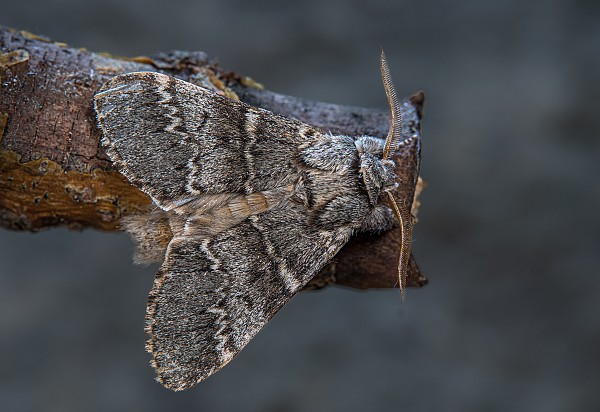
point(250, 205)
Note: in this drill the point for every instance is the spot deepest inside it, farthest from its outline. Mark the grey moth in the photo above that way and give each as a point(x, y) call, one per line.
point(250, 204)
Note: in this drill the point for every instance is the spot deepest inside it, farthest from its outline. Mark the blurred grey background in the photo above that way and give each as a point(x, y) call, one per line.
point(509, 232)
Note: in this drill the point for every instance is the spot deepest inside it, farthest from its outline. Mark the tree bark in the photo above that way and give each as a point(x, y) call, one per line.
point(53, 171)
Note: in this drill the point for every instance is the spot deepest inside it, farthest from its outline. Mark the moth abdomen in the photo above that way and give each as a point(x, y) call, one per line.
point(236, 209)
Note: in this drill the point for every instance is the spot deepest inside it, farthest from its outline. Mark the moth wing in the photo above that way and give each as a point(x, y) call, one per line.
point(213, 294)
point(176, 141)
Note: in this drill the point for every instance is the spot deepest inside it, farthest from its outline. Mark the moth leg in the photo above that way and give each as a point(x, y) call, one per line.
point(341, 211)
point(380, 219)
point(354, 212)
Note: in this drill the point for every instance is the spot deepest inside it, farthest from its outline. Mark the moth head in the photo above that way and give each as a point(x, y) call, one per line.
point(376, 173)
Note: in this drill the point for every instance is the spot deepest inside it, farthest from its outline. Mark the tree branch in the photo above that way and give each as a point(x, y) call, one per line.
point(54, 172)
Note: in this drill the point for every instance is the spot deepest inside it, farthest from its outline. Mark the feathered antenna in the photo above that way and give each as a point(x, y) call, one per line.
point(391, 145)
point(395, 133)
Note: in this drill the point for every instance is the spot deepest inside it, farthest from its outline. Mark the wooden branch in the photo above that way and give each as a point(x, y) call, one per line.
point(54, 172)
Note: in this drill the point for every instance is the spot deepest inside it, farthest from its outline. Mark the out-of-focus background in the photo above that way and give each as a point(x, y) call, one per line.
point(509, 230)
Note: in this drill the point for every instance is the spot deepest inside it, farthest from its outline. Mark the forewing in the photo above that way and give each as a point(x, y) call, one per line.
point(212, 295)
point(176, 141)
